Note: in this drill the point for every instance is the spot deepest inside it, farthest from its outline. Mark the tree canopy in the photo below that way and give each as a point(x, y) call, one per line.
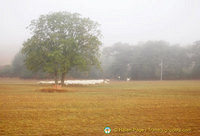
point(60, 41)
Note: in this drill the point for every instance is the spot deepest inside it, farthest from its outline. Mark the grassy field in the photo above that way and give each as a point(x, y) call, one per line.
point(137, 108)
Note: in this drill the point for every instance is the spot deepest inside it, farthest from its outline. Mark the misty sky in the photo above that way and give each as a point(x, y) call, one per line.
point(130, 21)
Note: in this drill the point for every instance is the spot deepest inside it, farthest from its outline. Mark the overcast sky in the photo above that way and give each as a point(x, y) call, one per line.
point(130, 21)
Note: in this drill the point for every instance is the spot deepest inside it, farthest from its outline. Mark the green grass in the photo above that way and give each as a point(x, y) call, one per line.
point(88, 110)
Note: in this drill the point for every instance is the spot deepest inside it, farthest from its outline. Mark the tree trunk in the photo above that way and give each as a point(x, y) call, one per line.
point(56, 77)
point(63, 79)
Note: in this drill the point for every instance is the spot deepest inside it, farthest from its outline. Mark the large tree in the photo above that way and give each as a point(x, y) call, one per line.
point(60, 41)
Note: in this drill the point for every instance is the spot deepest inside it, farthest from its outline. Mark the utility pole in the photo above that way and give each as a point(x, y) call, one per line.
point(161, 70)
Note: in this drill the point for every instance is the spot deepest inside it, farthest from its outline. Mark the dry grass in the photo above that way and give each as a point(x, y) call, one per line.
point(86, 111)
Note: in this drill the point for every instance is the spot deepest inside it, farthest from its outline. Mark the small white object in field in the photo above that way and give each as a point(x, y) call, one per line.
point(128, 79)
point(79, 82)
point(119, 77)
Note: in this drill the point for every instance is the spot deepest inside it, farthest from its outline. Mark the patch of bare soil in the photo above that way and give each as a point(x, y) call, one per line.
point(52, 90)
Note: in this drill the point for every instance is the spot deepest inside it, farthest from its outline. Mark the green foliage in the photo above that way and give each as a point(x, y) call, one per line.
point(61, 41)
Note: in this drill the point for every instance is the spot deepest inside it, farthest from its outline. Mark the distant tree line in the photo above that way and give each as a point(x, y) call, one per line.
point(144, 61)
point(138, 62)
point(18, 69)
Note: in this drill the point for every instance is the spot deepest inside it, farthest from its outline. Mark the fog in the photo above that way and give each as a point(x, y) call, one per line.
point(130, 21)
